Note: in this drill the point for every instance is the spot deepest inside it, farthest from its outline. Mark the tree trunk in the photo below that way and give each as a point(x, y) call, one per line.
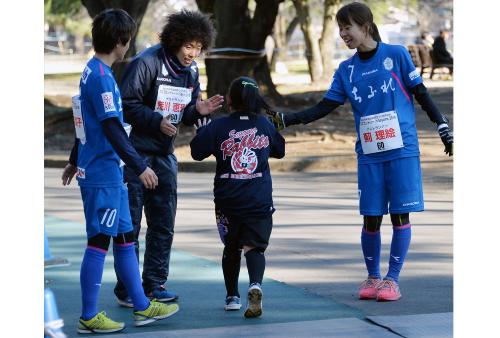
point(236, 29)
point(313, 53)
point(136, 9)
point(206, 6)
point(327, 40)
point(279, 40)
point(281, 36)
point(79, 43)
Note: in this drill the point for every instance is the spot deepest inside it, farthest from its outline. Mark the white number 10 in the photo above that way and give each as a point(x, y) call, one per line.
point(109, 217)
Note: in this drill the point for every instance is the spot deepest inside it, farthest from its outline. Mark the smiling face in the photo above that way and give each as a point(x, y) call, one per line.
point(353, 34)
point(188, 52)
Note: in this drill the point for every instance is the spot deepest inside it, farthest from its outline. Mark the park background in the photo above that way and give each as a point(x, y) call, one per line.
point(475, 176)
point(293, 61)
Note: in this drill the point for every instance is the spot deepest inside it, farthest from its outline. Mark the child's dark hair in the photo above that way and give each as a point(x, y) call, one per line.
point(361, 15)
point(110, 27)
point(245, 96)
point(185, 26)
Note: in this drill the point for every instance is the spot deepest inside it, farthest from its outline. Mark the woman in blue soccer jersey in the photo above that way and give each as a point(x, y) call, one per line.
point(95, 159)
point(380, 81)
point(242, 143)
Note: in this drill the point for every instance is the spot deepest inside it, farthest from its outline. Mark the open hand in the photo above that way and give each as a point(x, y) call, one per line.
point(205, 107)
point(276, 118)
point(202, 122)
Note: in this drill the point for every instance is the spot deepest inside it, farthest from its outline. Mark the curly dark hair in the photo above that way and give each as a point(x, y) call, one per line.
point(185, 26)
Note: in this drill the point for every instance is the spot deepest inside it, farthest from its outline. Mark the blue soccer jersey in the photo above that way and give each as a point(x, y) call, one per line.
point(379, 92)
point(98, 163)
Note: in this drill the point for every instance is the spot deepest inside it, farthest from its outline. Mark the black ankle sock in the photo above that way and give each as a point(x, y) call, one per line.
point(256, 264)
point(231, 268)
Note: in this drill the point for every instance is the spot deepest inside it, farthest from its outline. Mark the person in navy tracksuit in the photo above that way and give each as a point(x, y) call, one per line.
point(242, 144)
point(160, 89)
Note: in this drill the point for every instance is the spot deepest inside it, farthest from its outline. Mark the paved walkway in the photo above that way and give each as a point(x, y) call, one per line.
point(314, 263)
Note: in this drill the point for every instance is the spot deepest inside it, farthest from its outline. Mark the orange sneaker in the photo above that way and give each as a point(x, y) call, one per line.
point(388, 290)
point(368, 289)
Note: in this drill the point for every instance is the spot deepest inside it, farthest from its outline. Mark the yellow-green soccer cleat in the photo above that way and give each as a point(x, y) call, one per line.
point(100, 323)
point(154, 312)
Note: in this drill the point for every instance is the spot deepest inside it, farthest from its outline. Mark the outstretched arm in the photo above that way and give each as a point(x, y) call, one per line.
point(202, 143)
point(424, 99)
point(320, 110)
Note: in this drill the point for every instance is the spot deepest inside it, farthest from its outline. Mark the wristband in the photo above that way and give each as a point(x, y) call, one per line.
point(442, 125)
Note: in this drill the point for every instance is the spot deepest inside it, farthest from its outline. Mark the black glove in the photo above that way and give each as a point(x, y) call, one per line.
point(446, 135)
point(276, 118)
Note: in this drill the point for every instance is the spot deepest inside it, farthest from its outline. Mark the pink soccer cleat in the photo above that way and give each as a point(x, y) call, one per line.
point(388, 290)
point(368, 289)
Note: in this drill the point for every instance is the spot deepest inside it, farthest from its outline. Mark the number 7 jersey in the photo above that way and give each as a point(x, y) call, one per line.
point(379, 92)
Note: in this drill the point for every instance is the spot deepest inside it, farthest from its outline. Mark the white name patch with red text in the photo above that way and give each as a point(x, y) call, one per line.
point(107, 101)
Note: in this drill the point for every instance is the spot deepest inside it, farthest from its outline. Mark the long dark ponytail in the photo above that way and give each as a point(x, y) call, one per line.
point(361, 15)
point(245, 96)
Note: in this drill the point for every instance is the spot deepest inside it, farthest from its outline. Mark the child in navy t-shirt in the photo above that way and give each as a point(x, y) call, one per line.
point(242, 144)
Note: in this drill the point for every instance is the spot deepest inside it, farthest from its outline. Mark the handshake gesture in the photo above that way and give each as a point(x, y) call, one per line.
point(276, 118)
point(446, 135)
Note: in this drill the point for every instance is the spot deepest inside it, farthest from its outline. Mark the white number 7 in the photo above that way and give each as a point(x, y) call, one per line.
point(350, 75)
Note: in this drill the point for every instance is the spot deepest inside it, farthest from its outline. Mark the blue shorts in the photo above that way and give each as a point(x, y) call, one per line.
point(394, 186)
point(106, 210)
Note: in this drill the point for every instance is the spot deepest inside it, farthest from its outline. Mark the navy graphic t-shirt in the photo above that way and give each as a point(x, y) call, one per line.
point(242, 144)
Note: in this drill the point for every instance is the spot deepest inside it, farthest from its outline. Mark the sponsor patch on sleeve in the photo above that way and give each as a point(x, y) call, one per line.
point(80, 173)
point(85, 74)
point(413, 75)
point(107, 101)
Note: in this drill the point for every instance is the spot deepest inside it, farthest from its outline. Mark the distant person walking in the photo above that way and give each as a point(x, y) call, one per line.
point(379, 81)
point(242, 143)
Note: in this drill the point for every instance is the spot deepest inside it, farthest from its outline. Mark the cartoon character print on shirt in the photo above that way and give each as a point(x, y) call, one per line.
point(244, 161)
point(239, 147)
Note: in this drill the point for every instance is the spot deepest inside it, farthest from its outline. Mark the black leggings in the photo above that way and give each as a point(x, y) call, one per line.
point(372, 223)
point(102, 241)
